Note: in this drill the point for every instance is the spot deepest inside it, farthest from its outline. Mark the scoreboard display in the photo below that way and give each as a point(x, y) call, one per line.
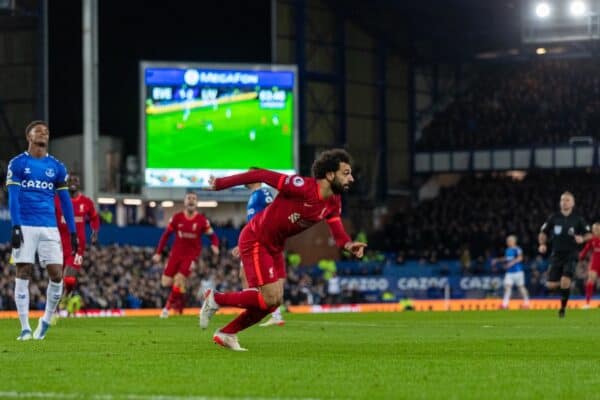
point(203, 120)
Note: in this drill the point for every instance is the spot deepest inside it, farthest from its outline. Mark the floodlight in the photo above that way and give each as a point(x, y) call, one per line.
point(577, 8)
point(542, 10)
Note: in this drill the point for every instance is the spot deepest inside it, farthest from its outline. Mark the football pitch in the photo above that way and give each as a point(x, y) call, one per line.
point(424, 355)
point(233, 135)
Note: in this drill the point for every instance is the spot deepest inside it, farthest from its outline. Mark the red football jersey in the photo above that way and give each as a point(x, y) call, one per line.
point(84, 210)
point(297, 207)
point(188, 234)
point(594, 245)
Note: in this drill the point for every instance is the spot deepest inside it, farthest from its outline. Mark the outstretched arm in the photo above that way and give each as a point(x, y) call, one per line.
point(273, 179)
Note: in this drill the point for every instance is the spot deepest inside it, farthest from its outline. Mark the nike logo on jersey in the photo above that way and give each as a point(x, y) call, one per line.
point(295, 217)
point(307, 205)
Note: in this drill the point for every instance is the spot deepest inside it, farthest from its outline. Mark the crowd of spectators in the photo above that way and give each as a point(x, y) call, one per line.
point(468, 222)
point(115, 277)
point(511, 105)
point(472, 219)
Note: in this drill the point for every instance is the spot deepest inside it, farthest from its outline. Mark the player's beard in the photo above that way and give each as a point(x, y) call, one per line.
point(337, 187)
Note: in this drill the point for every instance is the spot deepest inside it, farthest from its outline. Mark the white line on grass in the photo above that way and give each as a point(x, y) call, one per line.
point(342, 323)
point(61, 396)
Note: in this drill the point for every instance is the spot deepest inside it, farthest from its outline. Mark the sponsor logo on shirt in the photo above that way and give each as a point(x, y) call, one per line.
point(557, 229)
point(37, 184)
point(187, 235)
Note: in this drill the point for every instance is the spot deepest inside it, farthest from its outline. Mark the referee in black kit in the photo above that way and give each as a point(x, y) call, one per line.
point(568, 231)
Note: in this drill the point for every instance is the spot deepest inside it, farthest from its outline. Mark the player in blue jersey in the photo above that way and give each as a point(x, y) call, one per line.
point(32, 180)
point(513, 265)
point(260, 198)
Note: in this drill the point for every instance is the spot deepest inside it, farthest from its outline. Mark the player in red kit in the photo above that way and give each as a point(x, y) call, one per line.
point(188, 226)
point(594, 267)
point(85, 211)
point(301, 203)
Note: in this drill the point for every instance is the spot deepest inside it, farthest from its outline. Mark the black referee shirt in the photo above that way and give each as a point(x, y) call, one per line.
point(562, 230)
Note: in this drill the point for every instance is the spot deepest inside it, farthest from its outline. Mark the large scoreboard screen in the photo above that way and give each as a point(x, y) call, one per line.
point(202, 120)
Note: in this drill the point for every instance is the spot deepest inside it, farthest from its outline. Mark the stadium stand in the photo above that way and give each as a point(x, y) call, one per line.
point(517, 105)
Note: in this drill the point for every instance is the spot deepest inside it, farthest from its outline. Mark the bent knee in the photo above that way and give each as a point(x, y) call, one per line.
point(272, 300)
point(166, 281)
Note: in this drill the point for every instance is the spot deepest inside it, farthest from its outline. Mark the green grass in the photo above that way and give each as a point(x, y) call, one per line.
point(220, 138)
point(460, 355)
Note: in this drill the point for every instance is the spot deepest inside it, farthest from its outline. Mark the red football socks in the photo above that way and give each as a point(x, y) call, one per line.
point(245, 320)
point(176, 300)
point(245, 299)
point(70, 282)
point(589, 290)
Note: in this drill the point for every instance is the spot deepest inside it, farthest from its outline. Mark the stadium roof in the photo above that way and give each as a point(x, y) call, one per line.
point(446, 29)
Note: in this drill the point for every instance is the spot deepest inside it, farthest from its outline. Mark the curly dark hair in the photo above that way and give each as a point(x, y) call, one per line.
point(329, 161)
point(33, 124)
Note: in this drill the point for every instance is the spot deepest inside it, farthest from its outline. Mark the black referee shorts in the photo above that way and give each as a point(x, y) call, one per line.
point(562, 264)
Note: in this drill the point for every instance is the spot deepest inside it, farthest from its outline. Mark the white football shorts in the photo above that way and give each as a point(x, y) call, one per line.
point(514, 278)
point(43, 240)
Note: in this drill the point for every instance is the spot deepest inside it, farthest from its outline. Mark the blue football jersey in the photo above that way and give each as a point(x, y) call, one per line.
point(258, 201)
point(510, 254)
point(39, 179)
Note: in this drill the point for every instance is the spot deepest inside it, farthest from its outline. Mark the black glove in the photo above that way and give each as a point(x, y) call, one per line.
point(74, 243)
point(17, 237)
point(94, 238)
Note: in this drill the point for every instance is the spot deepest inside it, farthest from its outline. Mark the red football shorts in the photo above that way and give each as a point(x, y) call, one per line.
point(260, 265)
point(177, 264)
point(595, 267)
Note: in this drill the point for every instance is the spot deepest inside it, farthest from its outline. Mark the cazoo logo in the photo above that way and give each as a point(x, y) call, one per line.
point(37, 184)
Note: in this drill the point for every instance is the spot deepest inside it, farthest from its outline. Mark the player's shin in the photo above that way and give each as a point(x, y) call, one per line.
point(53, 295)
point(507, 293)
point(177, 298)
point(564, 297)
point(525, 295)
point(589, 291)
point(245, 320)
point(22, 302)
point(69, 282)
